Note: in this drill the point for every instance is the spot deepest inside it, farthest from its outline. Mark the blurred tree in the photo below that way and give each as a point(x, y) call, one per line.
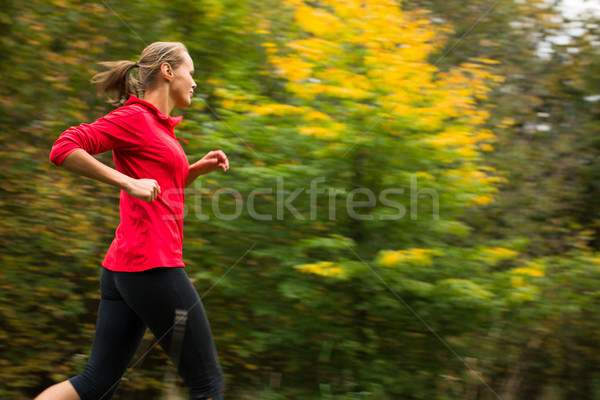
point(359, 112)
point(547, 140)
point(544, 116)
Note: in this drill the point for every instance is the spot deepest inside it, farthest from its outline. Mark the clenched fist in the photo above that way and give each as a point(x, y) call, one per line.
point(144, 189)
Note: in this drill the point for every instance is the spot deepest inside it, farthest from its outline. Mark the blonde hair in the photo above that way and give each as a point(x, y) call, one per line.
point(119, 82)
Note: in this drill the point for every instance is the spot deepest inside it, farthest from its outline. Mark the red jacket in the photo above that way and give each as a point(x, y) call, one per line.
point(144, 145)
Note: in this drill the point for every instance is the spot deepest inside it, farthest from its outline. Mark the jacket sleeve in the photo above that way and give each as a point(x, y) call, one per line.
point(106, 133)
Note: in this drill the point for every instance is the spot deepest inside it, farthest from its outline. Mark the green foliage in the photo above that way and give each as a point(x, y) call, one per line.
point(308, 297)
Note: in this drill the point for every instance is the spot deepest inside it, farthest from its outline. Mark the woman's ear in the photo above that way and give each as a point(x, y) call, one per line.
point(167, 71)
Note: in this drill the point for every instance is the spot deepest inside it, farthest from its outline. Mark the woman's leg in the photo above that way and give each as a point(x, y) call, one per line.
point(61, 391)
point(119, 332)
point(156, 295)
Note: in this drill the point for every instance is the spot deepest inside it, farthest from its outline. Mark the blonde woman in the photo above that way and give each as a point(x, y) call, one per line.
point(143, 282)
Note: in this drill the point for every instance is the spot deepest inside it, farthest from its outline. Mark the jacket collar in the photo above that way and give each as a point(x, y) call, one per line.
point(172, 121)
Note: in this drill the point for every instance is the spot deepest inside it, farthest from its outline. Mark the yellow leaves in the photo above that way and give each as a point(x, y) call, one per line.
point(399, 78)
point(501, 253)
point(392, 74)
point(532, 268)
point(230, 99)
point(276, 109)
point(474, 175)
point(316, 116)
point(522, 279)
point(495, 254)
point(301, 91)
point(485, 134)
point(480, 71)
point(506, 122)
point(425, 175)
point(464, 142)
point(317, 131)
point(327, 133)
point(466, 151)
point(60, 3)
point(331, 82)
point(314, 49)
point(293, 68)
point(340, 92)
point(387, 28)
point(222, 92)
point(482, 200)
point(322, 268)
point(482, 177)
point(346, 79)
point(415, 53)
point(326, 130)
point(415, 256)
point(309, 91)
point(455, 138)
point(233, 105)
point(318, 21)
point(270, 48)
point(347, 9)
point(529, 271)
point(391, 258)
point(480, 116)
point(487, 61)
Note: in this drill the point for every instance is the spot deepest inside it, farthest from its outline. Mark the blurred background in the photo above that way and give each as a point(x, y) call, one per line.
point(475, 276)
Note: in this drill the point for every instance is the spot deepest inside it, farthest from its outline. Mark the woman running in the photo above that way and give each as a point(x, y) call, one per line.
point(143, 282)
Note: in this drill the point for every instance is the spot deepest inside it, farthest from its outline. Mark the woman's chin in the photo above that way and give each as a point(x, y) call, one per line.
point(184, 103)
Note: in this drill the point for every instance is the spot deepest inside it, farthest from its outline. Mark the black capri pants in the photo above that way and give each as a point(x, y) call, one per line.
point(132, 301)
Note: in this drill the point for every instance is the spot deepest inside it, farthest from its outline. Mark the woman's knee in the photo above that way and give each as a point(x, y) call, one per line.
point(93, 387)
point(208, 387)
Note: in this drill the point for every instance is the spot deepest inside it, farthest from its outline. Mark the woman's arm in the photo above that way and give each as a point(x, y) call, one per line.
point(209, 163)
point(82, 163)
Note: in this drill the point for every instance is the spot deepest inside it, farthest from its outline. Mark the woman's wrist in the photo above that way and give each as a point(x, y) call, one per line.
point(198, 168)
point(125, 182)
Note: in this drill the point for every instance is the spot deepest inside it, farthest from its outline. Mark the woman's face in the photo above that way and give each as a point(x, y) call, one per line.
point(183, 85)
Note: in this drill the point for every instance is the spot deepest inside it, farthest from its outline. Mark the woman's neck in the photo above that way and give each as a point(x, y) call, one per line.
point(160, 99)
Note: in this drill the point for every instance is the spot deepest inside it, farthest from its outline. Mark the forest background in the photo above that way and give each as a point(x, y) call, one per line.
point(412, 209)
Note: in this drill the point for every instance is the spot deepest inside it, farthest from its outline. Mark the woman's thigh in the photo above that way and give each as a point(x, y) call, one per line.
point(118, 334)
point(156, 295)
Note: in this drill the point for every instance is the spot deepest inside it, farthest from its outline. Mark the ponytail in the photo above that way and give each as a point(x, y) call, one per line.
point(119, 82)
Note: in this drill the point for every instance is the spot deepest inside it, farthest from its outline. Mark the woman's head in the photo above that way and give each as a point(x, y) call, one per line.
point(156, 62)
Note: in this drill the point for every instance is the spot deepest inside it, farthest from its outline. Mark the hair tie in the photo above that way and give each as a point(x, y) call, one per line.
point(136, 65)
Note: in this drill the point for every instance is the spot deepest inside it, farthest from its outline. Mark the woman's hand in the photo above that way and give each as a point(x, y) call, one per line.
point(145, 189)
point(212, 161)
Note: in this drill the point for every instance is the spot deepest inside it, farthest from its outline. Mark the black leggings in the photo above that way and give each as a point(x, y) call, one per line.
point(130, 301)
